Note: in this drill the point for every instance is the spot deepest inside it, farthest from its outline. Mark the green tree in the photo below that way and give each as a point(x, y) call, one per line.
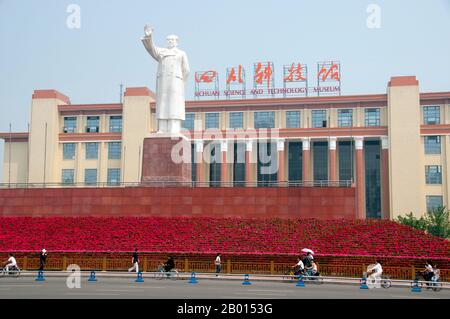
point(412, 221)
point(436, 222)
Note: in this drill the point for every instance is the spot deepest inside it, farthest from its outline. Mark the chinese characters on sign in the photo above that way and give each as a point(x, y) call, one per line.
point(295, 81)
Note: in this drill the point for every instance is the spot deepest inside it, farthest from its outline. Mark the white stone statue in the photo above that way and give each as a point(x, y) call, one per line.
point(173, 71)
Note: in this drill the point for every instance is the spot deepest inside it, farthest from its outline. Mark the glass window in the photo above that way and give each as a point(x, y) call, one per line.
point(70, 124)
point(93, 124)
point(113, 176)
point(236, 119)
point(67, 176)
point(215, 165)
point(114, 150)
point(346, 162)
point(372, 117)
point(69, 151)
point(90, 176)
point(267, 165)
point(372, 175)
point(431, 115)
point(433, 174)
point(115, 123)
point(292, 119)
point(345, 117)
point(319, 118)
point(432, 145)
point(433, 202)
point(212, 120)
point(295, 155)
point(91, 150)
point(239, 164)
point(264, 119)
point(320, 161)
point(189, 121)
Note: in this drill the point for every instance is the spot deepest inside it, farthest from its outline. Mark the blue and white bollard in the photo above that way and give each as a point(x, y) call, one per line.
point(139, 277)
point(92, 276)
point(193, 279)
point(40, 276)
point(300, 282)
point(363, 283)
point(416, 287)
point(246, 280)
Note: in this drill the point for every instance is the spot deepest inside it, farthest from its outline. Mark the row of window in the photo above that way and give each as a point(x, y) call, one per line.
point(114, 150)
point(431, 115)
point(92, 124)
point(267, 119)
point(90, 176)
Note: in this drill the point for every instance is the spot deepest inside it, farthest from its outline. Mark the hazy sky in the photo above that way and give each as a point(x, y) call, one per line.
point(39, 51)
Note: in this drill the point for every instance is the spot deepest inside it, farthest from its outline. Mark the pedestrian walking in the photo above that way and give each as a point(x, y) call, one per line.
point(218, 264)
point(135, 261)
point(42, 259)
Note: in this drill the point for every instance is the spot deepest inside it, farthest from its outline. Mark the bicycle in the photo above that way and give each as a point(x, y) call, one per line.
point(161, 273)
point(14, 271)
point(385, 280)
point(315, 279)
point(434, 283)
point(290, 276)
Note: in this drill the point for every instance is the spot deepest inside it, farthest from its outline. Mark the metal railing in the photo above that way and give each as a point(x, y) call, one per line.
point(324, 183)
point(229, 266)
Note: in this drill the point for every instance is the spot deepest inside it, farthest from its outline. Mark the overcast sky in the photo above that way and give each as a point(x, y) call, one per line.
point(38, 50)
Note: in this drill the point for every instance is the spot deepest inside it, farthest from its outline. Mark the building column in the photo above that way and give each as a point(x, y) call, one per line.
point(384, 167)
point(224, 163)
point(281, 176)
point(360, 187)
point(332, 159)
point(248, 163)
point(306, 172)
point(199, 163)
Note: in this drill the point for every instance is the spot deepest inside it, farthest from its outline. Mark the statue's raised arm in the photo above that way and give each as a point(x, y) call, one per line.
point(148, 42)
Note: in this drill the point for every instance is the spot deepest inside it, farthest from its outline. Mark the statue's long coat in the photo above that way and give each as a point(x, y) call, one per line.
point(173, 69)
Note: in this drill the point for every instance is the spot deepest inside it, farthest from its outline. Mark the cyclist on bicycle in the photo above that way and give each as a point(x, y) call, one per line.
point(314, 270)
point(374, 272)
point(11, 263)
point(308, 261)
point(299, 267)
point(169, 265)
point(427, 273)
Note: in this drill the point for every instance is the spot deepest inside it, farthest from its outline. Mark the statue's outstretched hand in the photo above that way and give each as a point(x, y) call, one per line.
point(147, 30)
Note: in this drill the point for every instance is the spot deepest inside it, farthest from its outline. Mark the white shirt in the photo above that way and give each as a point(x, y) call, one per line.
point(217, 262)
point(300, 264)
point(12, 261)
point(377, 268)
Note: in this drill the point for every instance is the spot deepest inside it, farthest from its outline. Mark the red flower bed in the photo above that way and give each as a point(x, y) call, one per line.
point(210, 235)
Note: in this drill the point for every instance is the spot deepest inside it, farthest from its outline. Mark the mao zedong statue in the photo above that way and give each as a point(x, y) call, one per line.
point(173, 71)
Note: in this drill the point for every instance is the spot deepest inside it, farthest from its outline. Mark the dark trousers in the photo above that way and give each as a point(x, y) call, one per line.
point(41, 265)
point(218, 268)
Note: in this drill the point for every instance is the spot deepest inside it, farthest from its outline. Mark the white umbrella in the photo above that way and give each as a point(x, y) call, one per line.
point(307, 250)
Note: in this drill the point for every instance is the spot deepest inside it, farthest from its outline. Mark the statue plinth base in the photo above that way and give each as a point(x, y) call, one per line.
point(162, 163)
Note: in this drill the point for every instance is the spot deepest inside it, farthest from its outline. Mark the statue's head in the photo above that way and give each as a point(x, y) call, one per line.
point(172, 41)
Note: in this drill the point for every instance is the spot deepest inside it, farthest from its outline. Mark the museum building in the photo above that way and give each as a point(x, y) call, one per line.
point(392, 148)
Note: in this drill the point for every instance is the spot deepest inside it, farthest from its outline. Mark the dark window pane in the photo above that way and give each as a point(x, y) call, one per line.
point(264, 119)
point(320, 161)
point(372, 174)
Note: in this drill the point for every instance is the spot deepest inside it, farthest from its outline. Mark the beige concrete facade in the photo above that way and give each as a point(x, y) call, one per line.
point(37, 157)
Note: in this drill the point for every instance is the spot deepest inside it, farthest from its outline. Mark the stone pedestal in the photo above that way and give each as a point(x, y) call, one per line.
point(166, 160)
